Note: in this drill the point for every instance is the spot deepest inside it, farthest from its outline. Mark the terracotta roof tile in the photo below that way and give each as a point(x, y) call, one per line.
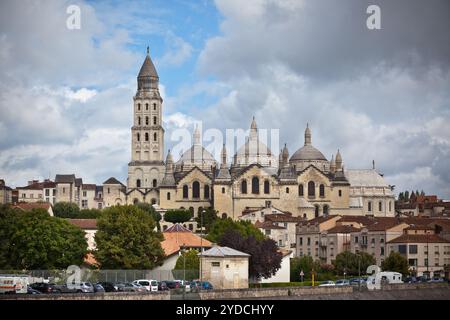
point(174, 240)
point(419, 238)
point(84, 223)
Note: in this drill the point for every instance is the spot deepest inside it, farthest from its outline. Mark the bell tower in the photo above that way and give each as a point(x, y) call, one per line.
point(146, 169)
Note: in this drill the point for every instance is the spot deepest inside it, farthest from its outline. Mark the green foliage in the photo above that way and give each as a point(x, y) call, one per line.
point(146, 207)
point(177, 216)
point(126, 239)
point(66, 210)
point(352, 263)
point(192, 261)
point(244, 228)
point(209, 217)
point(305, 263)
point(88, 214)
point(34, 240)
point(189, 268)
point(395, 262)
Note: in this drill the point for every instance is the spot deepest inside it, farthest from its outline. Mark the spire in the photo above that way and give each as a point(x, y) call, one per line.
point(148, 77)
point(148, 51)
point(253, 129)
point(224, 156)
point(332, 164)
point(285, 154)
point(373, 164)
point(338, 161)
point(307, 135)
point(169, 179)
point(196, 135)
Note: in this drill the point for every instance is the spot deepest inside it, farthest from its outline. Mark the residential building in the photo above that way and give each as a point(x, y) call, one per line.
point(225, 268)
point(5, 193)
point(89, 226)
point(428, 254)
point(34, 205)
point(284, 273)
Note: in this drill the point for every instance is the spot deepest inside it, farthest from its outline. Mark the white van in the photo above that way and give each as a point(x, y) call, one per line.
point(385, 277)
point(149, 285)
point(13, 283)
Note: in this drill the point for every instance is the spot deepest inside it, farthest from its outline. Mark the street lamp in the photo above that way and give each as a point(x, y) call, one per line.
point(201, 247)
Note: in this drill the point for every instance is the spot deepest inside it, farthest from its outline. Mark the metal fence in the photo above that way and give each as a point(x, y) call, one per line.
point(88, 275)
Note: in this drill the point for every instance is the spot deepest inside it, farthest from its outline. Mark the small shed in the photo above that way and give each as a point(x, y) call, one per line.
point(225, 268)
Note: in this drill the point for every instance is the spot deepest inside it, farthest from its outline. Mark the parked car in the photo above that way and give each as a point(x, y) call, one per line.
point(422, 279)
point(357, 282)
point(32, 291)
point(45, 287)
point(129, 287)
point(327, 284)
point(184, 283)
point(410, 280)
point(172, 284)
point(162, 286)
point(108, 286)
point(436, 280)
point(342, 282)
point(204, 285)
point(149, 285)
point(98, 288)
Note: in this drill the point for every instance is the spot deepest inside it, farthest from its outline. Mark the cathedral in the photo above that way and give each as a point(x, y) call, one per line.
point(305, 184)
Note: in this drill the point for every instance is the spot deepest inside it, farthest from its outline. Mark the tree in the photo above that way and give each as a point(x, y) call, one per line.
point(177, 216)
point(401, 196)
point(352, 263)
point(34, 240)
point(395, 262)
point(190, 267)
point(298, 264)
point(66, 210)
point(126, 239)
point(209, 216)
point(244, 228)
point(265, 259)
point(406, 195)
point(88, 214)
point(146, 207)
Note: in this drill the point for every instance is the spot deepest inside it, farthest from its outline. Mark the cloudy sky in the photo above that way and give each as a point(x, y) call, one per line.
point(383, 95)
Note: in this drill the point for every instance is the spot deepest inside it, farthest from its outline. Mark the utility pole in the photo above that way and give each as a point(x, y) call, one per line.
point(201, 248)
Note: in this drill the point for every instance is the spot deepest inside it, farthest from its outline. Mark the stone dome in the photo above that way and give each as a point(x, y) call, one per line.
point(308, 153)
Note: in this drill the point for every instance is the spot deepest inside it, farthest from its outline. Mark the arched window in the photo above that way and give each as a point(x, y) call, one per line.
point(135, 201)
point(168, 195)
point(316, 210)
point(325, 210)
point(138, 136)
point(300, 190)
point(196, 189)
point(153, 201)
point(287, 189)
point(390, 206)
point(138, 183)
point(224, 215)
point(266, 187)
point(369, 206)
point(139, 121)
point(191, 210)
point(154, 106)
point(146, 106)
point(146, 136)
point(139, 107)
point(146, 121)
point(322, 190)
point(380, 206)
point(255, 185)
point(223, 190)
point(304, 216)
point(311, 189)
point(185, 192)
point(244, 186)
point(155, 137)
point(154, 120)
point(155, 183)
point(206, 193)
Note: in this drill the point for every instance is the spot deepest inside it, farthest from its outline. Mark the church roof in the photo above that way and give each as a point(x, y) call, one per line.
point(148, 68)
point(308, 152)
point(365, 178)
point(113, 180)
